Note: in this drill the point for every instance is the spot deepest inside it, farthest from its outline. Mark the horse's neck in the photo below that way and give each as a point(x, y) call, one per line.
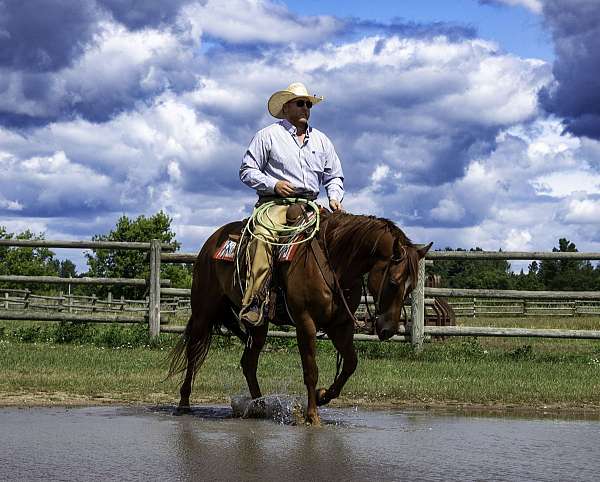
point(352, 263)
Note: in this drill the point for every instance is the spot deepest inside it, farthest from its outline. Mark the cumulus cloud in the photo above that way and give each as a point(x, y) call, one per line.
point(118, 70)
point(149, 13)
point(44, 36)
point(575, 96)
point(579, 209)
point(52, 185)
point(533, 5)
point(251, 21)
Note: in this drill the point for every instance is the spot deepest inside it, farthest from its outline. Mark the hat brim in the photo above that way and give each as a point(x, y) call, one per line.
point(278, 99)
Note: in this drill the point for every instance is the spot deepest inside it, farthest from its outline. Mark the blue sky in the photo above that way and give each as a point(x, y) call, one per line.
point(468, 123)
point(517, 29)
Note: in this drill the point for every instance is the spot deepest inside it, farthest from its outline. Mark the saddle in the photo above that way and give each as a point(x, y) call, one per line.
point(233, 250)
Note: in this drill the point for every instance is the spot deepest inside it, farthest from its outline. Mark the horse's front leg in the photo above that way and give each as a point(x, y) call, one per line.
point(249, 360)
point(307, 334)
point(342, 337)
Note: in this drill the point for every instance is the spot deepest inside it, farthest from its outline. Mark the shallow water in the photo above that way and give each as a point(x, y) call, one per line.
point(125, 443)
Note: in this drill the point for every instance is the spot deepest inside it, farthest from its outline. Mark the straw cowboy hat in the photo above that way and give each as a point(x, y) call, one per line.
point(293, 91)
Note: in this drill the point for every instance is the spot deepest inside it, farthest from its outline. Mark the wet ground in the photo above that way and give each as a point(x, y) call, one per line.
point(125, 443)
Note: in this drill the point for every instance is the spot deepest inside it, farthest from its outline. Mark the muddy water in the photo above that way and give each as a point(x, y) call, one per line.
point(123, 443)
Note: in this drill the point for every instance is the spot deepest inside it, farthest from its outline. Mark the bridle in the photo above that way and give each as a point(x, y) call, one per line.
point(384, 280)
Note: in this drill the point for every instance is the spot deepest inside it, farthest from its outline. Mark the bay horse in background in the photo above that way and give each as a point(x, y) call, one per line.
point(313, 284)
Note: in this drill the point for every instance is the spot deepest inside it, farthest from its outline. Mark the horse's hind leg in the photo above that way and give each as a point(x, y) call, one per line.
point(249, 361)
point(342, 339)
point(197, 339)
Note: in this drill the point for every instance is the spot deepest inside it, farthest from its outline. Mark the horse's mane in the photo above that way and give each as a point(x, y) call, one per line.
point(347, 233)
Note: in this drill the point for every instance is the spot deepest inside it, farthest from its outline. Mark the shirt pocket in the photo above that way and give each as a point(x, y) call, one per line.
point(316, 161)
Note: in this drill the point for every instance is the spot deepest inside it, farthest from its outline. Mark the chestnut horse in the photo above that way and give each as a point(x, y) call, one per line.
point(350, 247)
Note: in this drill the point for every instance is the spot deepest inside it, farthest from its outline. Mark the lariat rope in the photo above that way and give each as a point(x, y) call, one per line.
point(282, 232)
point(260, 217)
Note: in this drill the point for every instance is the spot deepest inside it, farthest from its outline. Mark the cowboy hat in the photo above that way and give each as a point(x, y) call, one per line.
point(293, 91)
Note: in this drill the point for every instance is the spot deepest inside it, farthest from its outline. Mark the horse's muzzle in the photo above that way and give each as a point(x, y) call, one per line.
point(385, 327)
point(385, 334)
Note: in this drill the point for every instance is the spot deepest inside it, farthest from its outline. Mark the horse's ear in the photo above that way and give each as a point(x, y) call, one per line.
point(423, 251)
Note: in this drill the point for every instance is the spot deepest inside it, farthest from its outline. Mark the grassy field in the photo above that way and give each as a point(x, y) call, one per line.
point(66, 364)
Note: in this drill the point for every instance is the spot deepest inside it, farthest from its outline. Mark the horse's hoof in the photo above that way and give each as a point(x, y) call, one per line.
point(322, 398)
point(182, 410)
point(314, 421)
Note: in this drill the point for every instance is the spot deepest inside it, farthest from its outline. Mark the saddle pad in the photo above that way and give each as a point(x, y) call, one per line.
point(226, 251)
point(287, 252)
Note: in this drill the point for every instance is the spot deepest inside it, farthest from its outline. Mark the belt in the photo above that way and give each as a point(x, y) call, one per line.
point(267, 198)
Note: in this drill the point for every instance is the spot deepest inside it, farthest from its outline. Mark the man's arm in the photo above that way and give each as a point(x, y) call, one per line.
point(333, 178)
point(253, 165)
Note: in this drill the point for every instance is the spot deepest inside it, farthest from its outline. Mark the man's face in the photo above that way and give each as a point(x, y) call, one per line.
point(297, 111)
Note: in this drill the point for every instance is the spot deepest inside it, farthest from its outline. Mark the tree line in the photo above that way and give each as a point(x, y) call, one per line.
point(551, 275)
point(572, 275)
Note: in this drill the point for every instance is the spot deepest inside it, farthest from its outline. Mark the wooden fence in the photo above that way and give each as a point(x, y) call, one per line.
point(15, 299)
point(415, 330)
point(483, 307)
point(150, 313)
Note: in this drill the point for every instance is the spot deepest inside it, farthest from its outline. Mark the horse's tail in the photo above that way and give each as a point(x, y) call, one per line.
point(191, 349)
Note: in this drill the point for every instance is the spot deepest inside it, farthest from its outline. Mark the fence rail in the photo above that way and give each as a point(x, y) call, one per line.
point(476, 307)
point(77, 281)
point(43, 243)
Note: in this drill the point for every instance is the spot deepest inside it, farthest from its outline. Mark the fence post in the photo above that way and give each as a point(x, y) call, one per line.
point(154, 299)
point(417, 329)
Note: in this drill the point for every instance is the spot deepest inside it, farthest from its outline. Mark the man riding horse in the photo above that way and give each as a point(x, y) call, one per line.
point(288, 159)
point(321, 283)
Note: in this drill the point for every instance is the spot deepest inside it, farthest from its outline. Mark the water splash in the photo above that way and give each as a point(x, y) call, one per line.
point(283, 409)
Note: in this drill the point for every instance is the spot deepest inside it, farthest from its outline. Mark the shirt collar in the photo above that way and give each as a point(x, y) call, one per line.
point(288, 126)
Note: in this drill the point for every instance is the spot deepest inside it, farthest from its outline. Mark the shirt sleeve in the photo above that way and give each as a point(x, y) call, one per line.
point(254, 163)
point(333, 176)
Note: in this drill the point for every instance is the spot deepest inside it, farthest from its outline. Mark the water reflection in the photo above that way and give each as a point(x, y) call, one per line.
point(249, 448)
point(112, 443)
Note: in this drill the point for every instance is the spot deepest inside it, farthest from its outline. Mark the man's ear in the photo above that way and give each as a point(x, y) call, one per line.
point(423, 251)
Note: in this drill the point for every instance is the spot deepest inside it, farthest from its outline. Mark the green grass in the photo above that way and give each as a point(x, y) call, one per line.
point(118, 363)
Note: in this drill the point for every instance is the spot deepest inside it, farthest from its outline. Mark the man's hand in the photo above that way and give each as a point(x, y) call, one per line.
point(284, 189)
point(335, 205)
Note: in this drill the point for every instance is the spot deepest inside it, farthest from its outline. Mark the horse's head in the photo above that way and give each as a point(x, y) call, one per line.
point(391, 280)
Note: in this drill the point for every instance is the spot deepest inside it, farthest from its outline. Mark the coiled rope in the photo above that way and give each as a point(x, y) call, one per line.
point(285, 235)
point(260, 217)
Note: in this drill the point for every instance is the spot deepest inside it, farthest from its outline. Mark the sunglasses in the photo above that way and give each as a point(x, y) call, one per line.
point(301, 103)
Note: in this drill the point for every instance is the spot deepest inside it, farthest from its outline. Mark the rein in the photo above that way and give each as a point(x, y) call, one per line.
point(377, 300)
point(337, 287)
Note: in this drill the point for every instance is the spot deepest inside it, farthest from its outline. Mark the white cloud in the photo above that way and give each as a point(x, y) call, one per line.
point(581, 211)
point(248, 21)
point(564, 183)
point(517, 240)
point(114, 70)
point(534, 5)
point(448, 210)
point(51, 183)
point(10, 205)
point(380, 173)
